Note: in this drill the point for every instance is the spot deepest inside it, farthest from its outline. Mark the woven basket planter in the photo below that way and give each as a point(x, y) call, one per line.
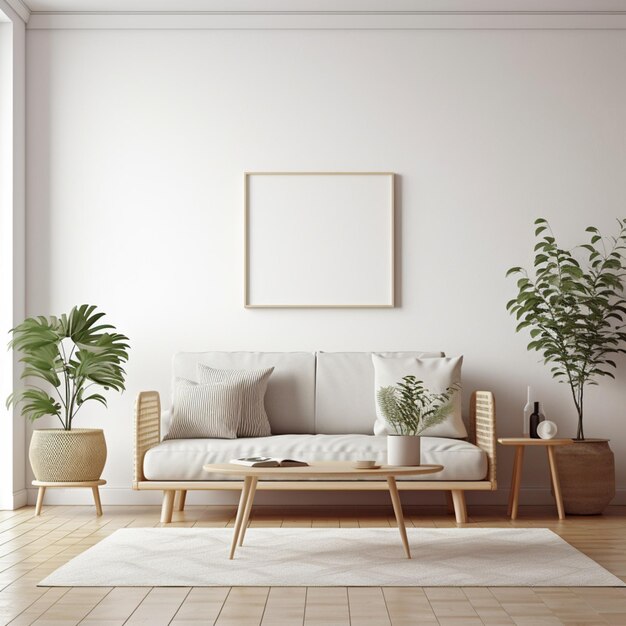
point(75, 455)
point(587, 475)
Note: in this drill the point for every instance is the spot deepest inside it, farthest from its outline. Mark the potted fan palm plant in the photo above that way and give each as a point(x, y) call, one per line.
point(409, 408)
point(574, 306)
point(67, 361)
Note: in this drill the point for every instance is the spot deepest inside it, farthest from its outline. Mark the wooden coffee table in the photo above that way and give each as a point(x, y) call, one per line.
point(329, 470)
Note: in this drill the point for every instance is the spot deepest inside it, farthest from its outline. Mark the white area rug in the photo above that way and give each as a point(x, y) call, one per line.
point(198, 557)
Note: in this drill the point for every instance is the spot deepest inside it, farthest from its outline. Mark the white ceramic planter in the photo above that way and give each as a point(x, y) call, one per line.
point(403, 450)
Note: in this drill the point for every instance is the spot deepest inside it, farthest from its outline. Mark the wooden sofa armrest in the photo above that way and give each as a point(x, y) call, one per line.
point(483, 429)
point(147, 429)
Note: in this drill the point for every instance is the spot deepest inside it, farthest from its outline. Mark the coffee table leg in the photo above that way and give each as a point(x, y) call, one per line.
point(245, 490)
point(556, 484)
point(397, 509)
point(246, 514)
point(516, 481)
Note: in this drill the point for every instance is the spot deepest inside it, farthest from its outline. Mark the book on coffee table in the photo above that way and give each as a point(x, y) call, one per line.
point(267, 461)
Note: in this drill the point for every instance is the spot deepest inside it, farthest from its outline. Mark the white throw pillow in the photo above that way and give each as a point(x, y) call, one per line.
point(253, 385)
point(437, 374)
point(205, 411)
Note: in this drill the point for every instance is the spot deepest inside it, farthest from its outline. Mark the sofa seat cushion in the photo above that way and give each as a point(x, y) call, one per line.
point(182, 459)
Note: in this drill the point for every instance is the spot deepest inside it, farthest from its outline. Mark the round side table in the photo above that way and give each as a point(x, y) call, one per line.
point(520, 444)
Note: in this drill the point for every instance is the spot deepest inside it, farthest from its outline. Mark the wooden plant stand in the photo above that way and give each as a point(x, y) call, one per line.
point(549, 444)
point(94, 484)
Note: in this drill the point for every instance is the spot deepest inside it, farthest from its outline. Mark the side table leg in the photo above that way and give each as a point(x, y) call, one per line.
point(397, 509)
point(516, 481)
point(40, 495)
point(96, 499)
point(556, 484)
point(245, 490)
point(248, 509)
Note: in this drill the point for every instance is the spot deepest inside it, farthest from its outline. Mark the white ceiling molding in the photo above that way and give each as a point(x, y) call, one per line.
point(20, 8)
point(278, 21)
point(324, 6)
point(326, 14)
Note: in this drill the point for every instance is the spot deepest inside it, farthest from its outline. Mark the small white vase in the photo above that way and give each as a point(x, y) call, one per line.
point(403, 450)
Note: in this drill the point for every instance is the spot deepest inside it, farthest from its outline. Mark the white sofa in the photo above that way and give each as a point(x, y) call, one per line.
point(321, 407)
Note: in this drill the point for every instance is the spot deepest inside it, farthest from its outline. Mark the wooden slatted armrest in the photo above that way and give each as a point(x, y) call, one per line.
point(483, 429)
point(147, 429)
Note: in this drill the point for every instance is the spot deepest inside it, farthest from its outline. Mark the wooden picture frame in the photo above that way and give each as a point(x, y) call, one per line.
point(319, 240)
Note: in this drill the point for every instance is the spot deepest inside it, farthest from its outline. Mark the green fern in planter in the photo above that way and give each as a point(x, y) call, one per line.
point(409, 407)
point(70, 354)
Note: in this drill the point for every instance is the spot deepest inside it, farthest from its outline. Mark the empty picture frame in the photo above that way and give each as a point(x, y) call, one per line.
point(319, 239)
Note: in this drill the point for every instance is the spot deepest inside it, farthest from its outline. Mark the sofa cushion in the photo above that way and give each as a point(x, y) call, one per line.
point(182, 459)
point(252, 385)
point(201, 411)
point(290, 397)
point(345, 391)
point(436, 374)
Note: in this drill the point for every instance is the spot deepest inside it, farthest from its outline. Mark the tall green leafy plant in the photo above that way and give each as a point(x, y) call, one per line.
point(73, 356)
point(410, 407)
point(573, 303)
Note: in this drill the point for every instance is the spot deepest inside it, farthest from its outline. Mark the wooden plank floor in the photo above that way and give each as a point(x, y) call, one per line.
point(32, 547)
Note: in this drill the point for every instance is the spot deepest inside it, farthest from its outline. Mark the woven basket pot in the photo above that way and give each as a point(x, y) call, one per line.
point(587, 475)
point(75, 455)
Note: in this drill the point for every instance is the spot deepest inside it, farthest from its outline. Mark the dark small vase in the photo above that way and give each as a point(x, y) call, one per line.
point(535, 418)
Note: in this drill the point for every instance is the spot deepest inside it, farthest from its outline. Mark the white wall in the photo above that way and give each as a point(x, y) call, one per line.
point(12, 266)
point(137, 141)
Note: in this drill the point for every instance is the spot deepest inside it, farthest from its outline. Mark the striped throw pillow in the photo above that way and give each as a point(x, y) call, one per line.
point(252, 384)
point(205, 410)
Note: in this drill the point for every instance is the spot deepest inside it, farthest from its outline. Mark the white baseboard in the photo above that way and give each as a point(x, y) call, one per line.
point(20, 498)
point(127, 496)
point(16, 500)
